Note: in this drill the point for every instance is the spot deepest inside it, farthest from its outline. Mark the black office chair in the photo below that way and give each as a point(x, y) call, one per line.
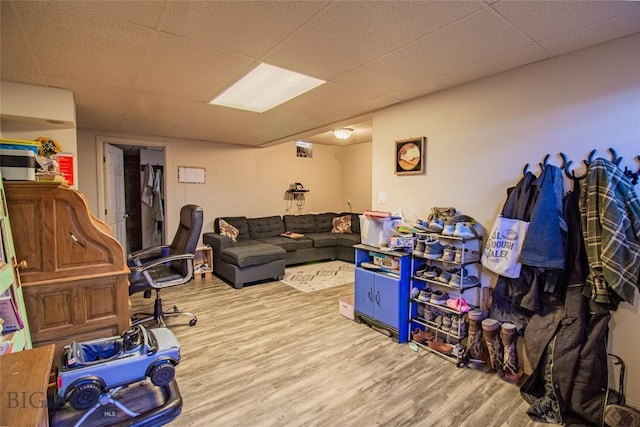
point(153, 271)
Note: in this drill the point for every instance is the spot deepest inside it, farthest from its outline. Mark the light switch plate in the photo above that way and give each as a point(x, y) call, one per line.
point(382, 198)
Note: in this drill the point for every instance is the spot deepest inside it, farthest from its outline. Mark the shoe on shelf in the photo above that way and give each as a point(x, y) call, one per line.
point(421, 225)
point(436, 225)
point(424, 295)
point(464, 281)
point(458, 304)
point(466, 256)
point(420, 310)
point(415, 292)
point(441, 347)
point(448, 253)
point(445, 276)
point(448, 229)
point(432, 273)
point(418, 250)
point(446, 324)
point(465, 230)
point(439, 298)
point(456, 276)
point(458, 327)
point(458, 351)
point(433, 249)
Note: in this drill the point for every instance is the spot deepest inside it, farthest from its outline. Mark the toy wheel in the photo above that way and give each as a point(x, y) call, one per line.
point(85, 396)
point(162, 374)
point(193, 321)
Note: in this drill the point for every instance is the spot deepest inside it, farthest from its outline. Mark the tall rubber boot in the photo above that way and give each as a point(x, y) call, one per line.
point(475, 348)
point(491, 334)
point(509, 338)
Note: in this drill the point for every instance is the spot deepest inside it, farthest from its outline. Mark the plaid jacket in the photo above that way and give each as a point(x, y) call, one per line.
point(610, 217)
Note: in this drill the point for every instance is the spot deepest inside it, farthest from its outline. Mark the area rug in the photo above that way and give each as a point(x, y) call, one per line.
point(318, 276)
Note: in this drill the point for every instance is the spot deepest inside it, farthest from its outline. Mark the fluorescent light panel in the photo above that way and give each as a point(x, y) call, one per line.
point(264, 88)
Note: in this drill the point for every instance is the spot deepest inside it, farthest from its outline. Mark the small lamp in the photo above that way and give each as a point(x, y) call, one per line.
point(342, 133)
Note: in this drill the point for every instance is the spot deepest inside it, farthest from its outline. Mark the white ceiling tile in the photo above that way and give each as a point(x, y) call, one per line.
point(190, 70)
point(15, 54)
point(84, 46)
point(147, 12)
point(609, 29)
point(22, 77)
point(144, 128)
point(542, 20)
point(250, 28)
point(483, 68)
point(465, 42)
point(346, 35)
point(158, 109)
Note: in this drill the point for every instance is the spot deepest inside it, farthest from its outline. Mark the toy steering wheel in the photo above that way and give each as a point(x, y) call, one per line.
point(132, 337)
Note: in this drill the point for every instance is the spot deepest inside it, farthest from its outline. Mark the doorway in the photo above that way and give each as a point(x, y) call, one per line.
point(143, 187)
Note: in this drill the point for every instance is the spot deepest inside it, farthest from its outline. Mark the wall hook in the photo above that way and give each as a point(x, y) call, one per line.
point(614, 157)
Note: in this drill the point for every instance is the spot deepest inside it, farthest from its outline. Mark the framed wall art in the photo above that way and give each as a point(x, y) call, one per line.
point(411, 156)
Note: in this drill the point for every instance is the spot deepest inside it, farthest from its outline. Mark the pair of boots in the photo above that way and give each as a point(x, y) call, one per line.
point(500, 340)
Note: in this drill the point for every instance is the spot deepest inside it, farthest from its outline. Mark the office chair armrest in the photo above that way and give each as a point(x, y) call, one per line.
point(153, 251)
point(152, 263)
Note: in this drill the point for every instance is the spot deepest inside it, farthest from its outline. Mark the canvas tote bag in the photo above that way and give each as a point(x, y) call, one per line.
point(502, 250)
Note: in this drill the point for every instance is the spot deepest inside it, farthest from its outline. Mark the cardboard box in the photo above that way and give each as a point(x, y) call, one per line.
point(346, 307)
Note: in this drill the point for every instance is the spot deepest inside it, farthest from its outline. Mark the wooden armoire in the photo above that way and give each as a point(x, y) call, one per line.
point(74, 275)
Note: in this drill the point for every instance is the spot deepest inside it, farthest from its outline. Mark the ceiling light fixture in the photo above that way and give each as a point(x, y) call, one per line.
point(342, 133)
point(265, 87)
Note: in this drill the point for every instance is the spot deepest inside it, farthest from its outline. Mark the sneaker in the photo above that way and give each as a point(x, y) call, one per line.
point(421, 225)
point(429, 315)
point(420, 310)
point(448, 229)
point(424, 295)
point(464, 281)
point(467, 256)
point(448, 254)
point(456, 276)
point(433, 249)
point(458, 304)
point(436, 225)
point(420, 272)
point(446, 324)
point(415, 292)
point(432, 273)
point(458, 327)
point(458, 351)
point(419, 248)
point(445, 276)
point(438, 297)
point(465, 230)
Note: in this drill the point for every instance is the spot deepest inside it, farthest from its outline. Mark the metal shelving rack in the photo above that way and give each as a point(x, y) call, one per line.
point(473, 268)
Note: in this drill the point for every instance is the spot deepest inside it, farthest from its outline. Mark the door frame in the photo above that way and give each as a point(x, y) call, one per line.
point(100, 143)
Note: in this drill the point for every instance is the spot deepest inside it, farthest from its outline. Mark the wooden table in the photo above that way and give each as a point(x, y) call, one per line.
point(24, 378)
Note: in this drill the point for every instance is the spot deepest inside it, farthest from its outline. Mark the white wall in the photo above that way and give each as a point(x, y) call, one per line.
point(356, 177)
point(240, 180)
point(480, 136)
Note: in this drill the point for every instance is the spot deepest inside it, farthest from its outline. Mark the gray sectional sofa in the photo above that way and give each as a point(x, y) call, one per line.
point(261, 253)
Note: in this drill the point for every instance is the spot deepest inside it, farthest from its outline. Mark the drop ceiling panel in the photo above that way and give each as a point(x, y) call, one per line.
point(145, 13)
point(542, 20)
point(23, 77)
point(483, 68)
point(144, 128)
point(319, 48)
point(249, 28)
point(609, 29)
point(479, 36)
point(15, 50)
point(158, 109)
point(190, 70)
point(84, 46)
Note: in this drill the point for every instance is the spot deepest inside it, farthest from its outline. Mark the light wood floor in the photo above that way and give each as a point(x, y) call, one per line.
point(269, 355)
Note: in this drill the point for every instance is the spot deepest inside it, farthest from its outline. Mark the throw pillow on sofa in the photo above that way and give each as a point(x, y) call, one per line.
point(228, 230)
point(341, 224)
